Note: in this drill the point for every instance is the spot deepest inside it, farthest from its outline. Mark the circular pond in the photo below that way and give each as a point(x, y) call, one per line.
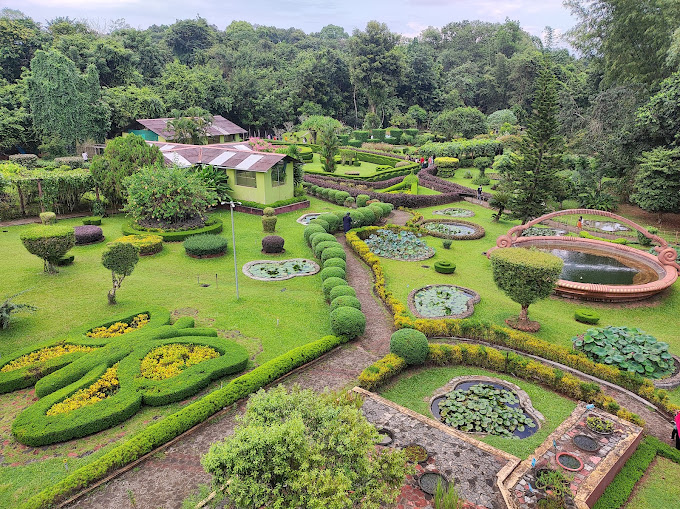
point(443, 301)
point(457, 230)
point(306, 218)
point(606, 226)
point(268, 270)
point(569, 462)
point(454, 212)
point(398, 245)
point(484, 407)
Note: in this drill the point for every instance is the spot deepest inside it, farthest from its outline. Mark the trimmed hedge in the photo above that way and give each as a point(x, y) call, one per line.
point(335, 262)
point(383, 369)
point(345, 300)
point(148, 244)
point(88, 234)
point(206, 244)
point(341, 290)
point(280, 203)
point(444, 267)
point(586, 316)
point(323, 237)
point(50, 243)
point(409, 344)
point(330, 283)
point(320, 246)
point(310, 230)
point(333, 252)
point(333, 221)
point(347, 321)
point(94, 220)
point(161, 432)
point(272, 244)
point(48, 218)
point(332, 272)
point(212, 225)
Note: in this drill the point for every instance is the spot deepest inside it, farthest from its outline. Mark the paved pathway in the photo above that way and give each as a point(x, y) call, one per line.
point(169, 476)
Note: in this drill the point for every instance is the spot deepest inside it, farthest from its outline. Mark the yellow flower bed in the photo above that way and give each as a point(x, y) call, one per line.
point(147, 244)
point(119, 328)
point(169, 360)
point(43, 355)
point(106, 386)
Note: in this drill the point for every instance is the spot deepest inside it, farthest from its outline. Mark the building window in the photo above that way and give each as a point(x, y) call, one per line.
point(245, 178)
point(279, 174)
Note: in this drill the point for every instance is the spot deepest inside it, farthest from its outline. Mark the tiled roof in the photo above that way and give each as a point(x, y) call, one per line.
point(220, 126)
point(221, 154)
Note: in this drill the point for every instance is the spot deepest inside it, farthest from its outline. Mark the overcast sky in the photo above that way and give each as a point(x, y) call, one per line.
point(407, 17)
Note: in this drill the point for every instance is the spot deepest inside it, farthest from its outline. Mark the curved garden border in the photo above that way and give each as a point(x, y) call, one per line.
point(524, 399)
point(470, 305)
point(247, 266)
point(664, 263)
point(212, 225)
point(478, 233)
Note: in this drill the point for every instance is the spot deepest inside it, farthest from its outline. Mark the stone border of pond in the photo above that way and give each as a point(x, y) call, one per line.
point(476, 298)
point(246, 269)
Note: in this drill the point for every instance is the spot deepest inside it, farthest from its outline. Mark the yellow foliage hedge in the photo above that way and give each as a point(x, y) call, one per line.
point(169, 360)
point(106, 386)
point(42, 355)
point(119, 328)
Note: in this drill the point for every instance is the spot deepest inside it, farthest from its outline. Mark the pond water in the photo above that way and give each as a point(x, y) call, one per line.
point(464, 386)
point(307, 218)
point(454, 212)
point(606, 226)
point(276, 270)
point(589, 267)
point(452, 229)
point(441, 300)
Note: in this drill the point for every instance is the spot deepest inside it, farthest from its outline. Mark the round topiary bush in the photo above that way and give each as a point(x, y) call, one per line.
point(49, 243)
point(88, 234)
point(347, 321)
point(324, 244)
point(362, 199)
point(587, 316)
point(444, 267)
point(409, 344)
point(331, 283)
point(331, 194)
point(377, 210)
point(146, 244)
point(323, 237)
point(48, 218)
point(332, 220)
point(333, 252)
point(206, 246)
point(387, 208)
point(310, 230)
point(369, 215)
point(95, 220)
point(358, 219)
point(272, 244)
point(349, 202)
point(322, 223)
point(332, 272)
point(269, 211)
point(345, 301)
point(335, 262)
point(341, 196)
point(340, 290)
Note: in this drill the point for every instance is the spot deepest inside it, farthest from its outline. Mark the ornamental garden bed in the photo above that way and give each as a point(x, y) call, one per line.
point(455, 230)
point(212, 225)
point(443, 301)
point(401, 245)
point(270, 270)
point(454, 212)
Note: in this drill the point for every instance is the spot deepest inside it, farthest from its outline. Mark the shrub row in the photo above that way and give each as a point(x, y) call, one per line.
point(586, 235)
point(512, 364)
point(380, 371)
point(280, 203)
point(206, 245)
point(149, 244)
point(161, 432)
point(620, 489)
point(88, 234)
point(462, 148)
point(212, 225)
point(503, 336)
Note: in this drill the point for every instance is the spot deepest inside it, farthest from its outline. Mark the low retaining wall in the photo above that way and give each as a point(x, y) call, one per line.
point(279, 210)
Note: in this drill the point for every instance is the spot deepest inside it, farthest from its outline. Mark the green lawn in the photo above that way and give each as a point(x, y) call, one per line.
point(660, 489)
point(556, 316)
point(266, 320)
point(461, 180)
point(365, 170)
point(414, 390)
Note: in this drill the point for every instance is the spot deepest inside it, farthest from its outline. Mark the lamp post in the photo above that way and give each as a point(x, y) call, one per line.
point(232, 204)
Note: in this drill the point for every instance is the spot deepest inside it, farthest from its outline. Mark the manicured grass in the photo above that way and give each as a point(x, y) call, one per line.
point(414, 389)
point(422, 190)
point(365, 170)
point(556, 316)
point(660, 488)
point(265, 320)
point(461, 180)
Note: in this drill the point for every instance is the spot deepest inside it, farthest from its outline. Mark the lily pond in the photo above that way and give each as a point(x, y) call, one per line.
point(452, 230)
point(477, 407)
point(444, 301)
point(403, 245)
point(307, 218)
point(454, 212)
point(279, 270)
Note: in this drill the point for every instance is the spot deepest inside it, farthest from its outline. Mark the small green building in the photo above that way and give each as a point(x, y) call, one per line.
point(262, 177)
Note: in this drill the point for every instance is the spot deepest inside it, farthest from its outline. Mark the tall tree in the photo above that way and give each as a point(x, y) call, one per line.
point(20, 36)
point(658, 181)
point(190, 126)
point(533, 178)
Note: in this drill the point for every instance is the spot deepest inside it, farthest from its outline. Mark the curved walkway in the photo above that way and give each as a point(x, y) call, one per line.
point(174, 472)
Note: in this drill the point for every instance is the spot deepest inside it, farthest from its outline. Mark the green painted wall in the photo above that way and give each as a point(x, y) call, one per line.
point(264, 192)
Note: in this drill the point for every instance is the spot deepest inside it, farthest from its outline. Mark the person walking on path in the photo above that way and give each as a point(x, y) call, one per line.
point(346, 223)
point(479, 193)
point(675, 434)
point(579, 223)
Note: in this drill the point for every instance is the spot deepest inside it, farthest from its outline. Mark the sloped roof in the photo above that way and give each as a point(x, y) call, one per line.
point(220, 126)
point(226, 155)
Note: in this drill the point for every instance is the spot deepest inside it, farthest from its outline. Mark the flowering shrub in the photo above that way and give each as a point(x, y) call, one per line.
point(106, 386)
point(169, 360)
point(42, 355)
point(119, 328)
point(88, 234)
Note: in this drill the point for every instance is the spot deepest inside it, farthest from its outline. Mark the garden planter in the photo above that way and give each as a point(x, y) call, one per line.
point(569, 462)
point(417, 454)
point(429, 480)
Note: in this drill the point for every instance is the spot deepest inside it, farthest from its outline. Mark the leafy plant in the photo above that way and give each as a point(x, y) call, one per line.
point(217, 181)
point(454, 212)
point(600, 425)
point(627, 348)
point(120, 258)
point(449, 229)
point(553, 481)
point(447, 498)
point(8, 307)
point(403, 245)
point(49, 243)
point(415, 453)
point(441, 300)
point(484, 409)
point(410, 345)
point(206, 245)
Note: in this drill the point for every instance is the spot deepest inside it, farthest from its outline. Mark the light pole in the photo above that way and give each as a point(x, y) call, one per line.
point(232, 204)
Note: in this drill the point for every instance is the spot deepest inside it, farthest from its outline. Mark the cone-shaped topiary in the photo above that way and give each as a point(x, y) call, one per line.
point(409, 344)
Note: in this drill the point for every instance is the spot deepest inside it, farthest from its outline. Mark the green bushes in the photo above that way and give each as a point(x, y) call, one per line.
point(29, 161)
point(269, 220)
point(206, 245)
point(50, 243)
point(310, 230)
point(341, 290)
point(48, 218)
point(362, 199)
point(92, 220)
point(369, 215)
point(345, 301)
point(335, 262)
point(347, 321)
point(646, 241)
point(409, 344)
point(332, 272)
point(333, 252)
point(319, 248)
point(381, 371)
point(444, 267)
point(341, 197)
point(322, 237)
point(446, 162)
point(212, 225)
point(588, 316)
point(331, 283)
point(333, 221)
point(361, 136)
point(146, 244)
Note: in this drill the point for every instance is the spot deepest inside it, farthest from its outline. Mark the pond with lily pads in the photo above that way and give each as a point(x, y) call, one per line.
point(443, 301)
point(305, 219)
point(400, 245)
point(278, 270)
point(449, 229)
point(454, 212)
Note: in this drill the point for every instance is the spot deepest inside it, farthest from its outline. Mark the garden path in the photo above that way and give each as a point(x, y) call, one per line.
point(173, 473)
